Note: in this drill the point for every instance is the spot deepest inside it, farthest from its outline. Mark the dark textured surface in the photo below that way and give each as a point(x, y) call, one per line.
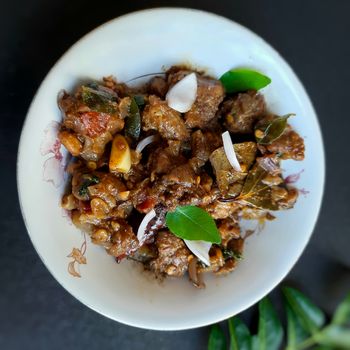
point(35, 312)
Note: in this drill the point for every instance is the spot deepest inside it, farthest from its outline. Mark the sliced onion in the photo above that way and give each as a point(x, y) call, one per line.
point(183, 94)
point(230, 151)
point(200, 249)
point(145, 142)
point(141, 232)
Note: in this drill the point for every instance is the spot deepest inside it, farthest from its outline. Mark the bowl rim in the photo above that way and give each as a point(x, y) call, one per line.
point(274, 283)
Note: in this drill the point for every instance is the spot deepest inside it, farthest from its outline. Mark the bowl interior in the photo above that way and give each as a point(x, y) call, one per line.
point(127, 47)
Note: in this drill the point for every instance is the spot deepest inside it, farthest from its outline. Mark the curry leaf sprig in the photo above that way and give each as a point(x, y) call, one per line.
point(305, 327)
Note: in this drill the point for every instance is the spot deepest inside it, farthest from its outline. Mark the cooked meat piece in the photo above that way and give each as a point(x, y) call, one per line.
point(252, 213)
point(210, 94)
point(158, 86)
point(242, 111)
point(229, 266)
point(93, 129)
point(124, 106)
point(226, 176)
point(269, 163)
point(183, 175)
point(122, 210)
point(236, 245)
point(228, 229)
point(222, 210)
point(145, 253)
point(288, 199)
point(272, 180)
point(289, 145)
point(206, 182)
point(168, 122)
point(85, 122)
point(110, 188)
point(124, 241)
point(216, 260)
point(173, 256)
point(199, 147)
point(162, 160)
point(143, 197)
point(203, 144)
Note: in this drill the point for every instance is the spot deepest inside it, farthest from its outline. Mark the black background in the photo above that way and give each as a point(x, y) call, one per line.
point(313, 35)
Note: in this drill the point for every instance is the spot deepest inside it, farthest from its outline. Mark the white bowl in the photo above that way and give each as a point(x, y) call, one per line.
point(130, 46)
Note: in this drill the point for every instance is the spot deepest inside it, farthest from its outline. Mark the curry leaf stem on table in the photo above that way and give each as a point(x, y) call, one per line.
point(305, 327)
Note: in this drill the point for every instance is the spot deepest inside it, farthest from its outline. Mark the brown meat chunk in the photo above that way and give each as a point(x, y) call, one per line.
point(289, 145)
point(228, 229)
point(285, 199)
point(242, 111)
point(158, 86)
point(168, 122)
point(92, 129)
point(162, 160)
point(173, 256)
point(210, 94)
point(203, 144)
point(222, 210)
point(216, 260)
point(110, 188)
point(124, 241)
point(183, 175)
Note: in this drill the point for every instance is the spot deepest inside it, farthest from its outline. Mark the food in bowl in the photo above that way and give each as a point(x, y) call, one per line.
point(163, 173)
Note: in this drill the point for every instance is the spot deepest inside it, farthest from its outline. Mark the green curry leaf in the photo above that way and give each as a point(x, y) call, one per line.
point(311, 317)
point(295, 332)
point(90, 180)
point(217, 339)
point(99, 99)
point(342, 313)
point(236, 80)
point(334, 336)
point(240, 338)
point(133, 121)
point(192, 223)
point(270, 332)
point(272, 130)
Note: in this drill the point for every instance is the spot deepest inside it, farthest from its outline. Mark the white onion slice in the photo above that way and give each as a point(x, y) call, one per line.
point(200, 249)
point(230, 151)
point(145, 142)
point(141, 232)
point(183, 94)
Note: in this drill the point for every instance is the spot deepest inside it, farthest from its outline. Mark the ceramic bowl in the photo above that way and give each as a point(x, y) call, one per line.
point(126, 47)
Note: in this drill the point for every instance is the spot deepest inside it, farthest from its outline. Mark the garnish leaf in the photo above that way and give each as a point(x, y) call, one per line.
point(90, 180)
point(311, 317)
point(133, 121)
point(296, 333)
point(228, 253)
point(342, 313)
point(270, 332)
point(272, 130)
point(255, 192)
point(140, 100)
point(217, 339)
point(192, 223)
point(98, 99)
point(236, 80)
point(240, 338)
point(334, 336)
